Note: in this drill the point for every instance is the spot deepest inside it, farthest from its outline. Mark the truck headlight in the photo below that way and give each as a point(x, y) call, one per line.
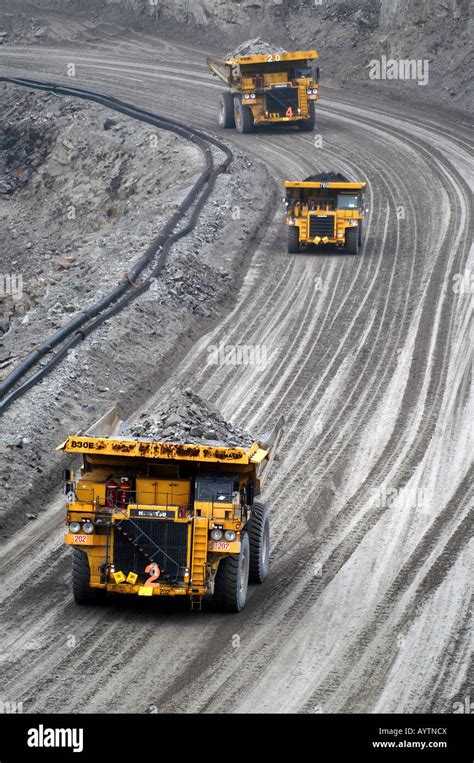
point(74, 527)
point(315, 91)
point(246, 96)
point(216, 534)
point(229, 535)
point(252, 95)
point(88, 528)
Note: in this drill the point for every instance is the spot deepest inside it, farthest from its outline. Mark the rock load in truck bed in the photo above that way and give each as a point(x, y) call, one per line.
point(255, 47)
point(184, 417)
point(326, 177)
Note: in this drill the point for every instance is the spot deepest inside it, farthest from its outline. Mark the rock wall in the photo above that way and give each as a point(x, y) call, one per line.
point(347, 33)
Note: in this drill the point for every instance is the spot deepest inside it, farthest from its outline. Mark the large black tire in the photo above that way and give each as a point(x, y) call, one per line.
point(226, 110)
point(258, 530)
point(360, 236)
point(243, 117)
point(232, 578)
point(307, 125)
point(293, 239)
point(82, 591)
point(352, 240)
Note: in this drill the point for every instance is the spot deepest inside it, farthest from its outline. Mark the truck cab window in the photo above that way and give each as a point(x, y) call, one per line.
point(345, 201)
point(299, 73)
point(211, 491)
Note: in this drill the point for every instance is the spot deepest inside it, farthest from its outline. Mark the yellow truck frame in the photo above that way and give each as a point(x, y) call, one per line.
point(325, 213)
point(191, 525)
point(268, 89)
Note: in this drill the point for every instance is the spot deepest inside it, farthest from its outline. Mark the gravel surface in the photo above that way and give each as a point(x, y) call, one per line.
point(106, 162)
point(110, 183)
point(367, 607)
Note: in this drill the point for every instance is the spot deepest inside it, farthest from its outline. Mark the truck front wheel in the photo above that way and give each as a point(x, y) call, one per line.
point(81, 574)
point(352, 240)
point(243, 117)
point(232, 578)
point(293, 239)
point(258, 530)
point(226, 110)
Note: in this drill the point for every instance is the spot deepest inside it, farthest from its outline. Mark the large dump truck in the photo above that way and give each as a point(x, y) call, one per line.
point(268, 89)
point(325, 213)
point(153, 518)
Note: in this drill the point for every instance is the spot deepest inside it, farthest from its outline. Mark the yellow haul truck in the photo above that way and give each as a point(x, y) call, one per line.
point(325, 213)
point(149, 518)
point(268, 89)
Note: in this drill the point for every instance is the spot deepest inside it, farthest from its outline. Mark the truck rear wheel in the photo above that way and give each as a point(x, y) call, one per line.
point(81, 574)
point(352, 240)
point(243, 117)
point(226, 110)
point(258, 530)
point(359, 228)
point(232, 578)
point(293, 239)
point(307, 125)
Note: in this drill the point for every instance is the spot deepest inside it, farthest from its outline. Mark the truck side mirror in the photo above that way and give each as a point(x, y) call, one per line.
point(249, 493)
point(68, 477)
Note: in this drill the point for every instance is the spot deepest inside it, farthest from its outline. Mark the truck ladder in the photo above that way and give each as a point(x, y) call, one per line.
point(303, 100)
point(199, 556)
point(196, 603)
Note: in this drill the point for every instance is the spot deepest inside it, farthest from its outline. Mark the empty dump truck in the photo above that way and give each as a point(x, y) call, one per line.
point(324, 212)
point(153, 518)
point(268, 89)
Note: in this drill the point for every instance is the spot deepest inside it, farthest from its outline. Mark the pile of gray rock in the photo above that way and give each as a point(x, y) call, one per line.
point(23, 149)
point(255, 47)
point(184, 417)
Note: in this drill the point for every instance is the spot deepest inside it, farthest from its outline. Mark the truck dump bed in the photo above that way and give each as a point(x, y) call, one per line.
point(322, 184)
point(105, 438)
point(228, 69)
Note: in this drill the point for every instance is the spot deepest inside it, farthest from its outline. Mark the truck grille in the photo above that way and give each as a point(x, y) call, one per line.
point(171, 537)
point(321, 226)
point(279, 100)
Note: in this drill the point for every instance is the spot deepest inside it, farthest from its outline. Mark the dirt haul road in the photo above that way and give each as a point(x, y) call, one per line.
point(368, 358)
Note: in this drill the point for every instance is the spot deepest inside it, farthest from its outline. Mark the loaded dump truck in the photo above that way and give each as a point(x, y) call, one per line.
point(269, 88)
point(322, 211)
point(153, 518)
